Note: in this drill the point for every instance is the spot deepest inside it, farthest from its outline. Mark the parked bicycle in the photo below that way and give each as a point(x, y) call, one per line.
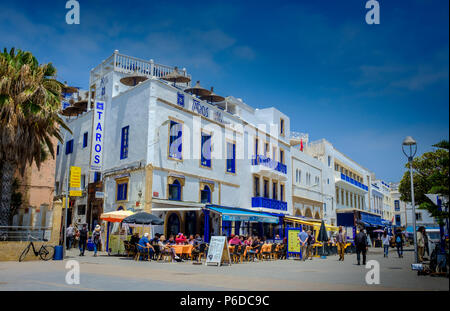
point(45, 252)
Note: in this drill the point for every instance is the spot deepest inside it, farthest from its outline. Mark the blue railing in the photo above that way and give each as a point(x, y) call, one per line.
point(269, 203)
point(354, 182)
point(266, 161)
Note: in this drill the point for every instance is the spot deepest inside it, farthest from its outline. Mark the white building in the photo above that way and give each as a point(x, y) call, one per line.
point(195, 164)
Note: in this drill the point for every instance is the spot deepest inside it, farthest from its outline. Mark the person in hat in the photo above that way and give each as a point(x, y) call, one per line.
point(96, 236)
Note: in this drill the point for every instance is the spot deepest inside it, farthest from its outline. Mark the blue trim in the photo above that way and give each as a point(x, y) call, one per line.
point(85, 139)
point(175, 140)
point(206, 158)
point(124, 142)
point(238, 214)
point(206, 229)
point(69, 146)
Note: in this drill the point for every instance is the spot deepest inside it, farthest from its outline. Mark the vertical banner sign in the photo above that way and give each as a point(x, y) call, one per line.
point(75, 177)
point(97, 136)
point(293, 242)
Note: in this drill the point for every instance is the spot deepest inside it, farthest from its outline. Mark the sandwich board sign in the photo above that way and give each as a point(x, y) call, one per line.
point(218, 251)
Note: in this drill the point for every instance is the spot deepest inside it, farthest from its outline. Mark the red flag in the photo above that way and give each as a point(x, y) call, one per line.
point(301, 145)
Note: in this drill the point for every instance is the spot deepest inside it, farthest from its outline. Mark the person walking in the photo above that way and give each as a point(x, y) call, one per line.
point(420, 244)
point(341, 240)
point(399, 243)
point(361, 245)
point(309, 245)
point(303, 239)
point(83, 238)
point(69, 236)
point(96, 235)
point(385, 239)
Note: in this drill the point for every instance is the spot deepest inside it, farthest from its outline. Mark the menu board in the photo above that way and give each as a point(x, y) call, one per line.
point(218, 252)
point(292, 240)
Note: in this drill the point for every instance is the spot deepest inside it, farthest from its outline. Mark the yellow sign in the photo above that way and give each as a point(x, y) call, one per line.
point(293, 242)
point(75, 193)
point(75, 177)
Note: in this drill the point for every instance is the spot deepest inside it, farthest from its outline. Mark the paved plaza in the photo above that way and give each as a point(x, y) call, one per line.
point(119, 273)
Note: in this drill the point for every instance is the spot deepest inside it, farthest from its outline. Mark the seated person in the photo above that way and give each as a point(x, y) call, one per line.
point(171, 240)
point(191, 240)
point(198, 240)
point(165, 246)
point(134, 239)
point(144, 242)
point(235, 241)
point(180, 239)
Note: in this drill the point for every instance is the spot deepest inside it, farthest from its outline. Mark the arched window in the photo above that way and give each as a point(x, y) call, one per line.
point(205, 195)
point(175, 191)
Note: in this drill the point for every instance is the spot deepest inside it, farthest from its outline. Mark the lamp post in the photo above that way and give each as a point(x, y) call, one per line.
point(411, 143)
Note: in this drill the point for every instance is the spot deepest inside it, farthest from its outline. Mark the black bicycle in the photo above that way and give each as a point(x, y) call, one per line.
point(46, 252)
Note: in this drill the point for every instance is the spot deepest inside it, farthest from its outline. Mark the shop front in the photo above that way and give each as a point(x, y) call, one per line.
point(223, 220)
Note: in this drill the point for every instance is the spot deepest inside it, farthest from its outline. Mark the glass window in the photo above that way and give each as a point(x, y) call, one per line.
point(329, 161)
point(281, 127)
point(256, 186)
point(266, 188)
point(124, 143)
point(282, 156)
point(175, 191)
point(205, 195)
point(206, 150)
point(81, 209)
point(69, 146)
point(97, 176)
point(57, 150)
point(282, 193)
point(175, 140)
point(122, 191)
point(85, 139)
point(231, 157)
point(275, 190)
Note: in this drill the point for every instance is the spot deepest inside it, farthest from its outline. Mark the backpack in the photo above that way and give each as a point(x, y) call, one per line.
point(83, 234)
point(398, 239)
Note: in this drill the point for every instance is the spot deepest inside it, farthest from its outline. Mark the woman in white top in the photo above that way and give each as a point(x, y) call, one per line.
point(385, 239)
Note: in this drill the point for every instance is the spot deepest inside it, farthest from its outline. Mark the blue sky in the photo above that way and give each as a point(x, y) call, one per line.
point(362, 87)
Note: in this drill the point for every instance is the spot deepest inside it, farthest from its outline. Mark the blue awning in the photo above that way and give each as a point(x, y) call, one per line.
point(232, 214)
point(371, 220)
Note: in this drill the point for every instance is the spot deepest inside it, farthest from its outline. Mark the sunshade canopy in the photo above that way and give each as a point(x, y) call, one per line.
point(133, 80)
point(143, 218)
point(213, 97)
point(323, 236)
point(229, 214)
point(116, 216)
point(198, 90)
point(71, 111)
point(175, 76)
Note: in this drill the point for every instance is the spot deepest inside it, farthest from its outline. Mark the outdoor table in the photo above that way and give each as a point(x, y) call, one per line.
point(266, 248)
point(182, 249)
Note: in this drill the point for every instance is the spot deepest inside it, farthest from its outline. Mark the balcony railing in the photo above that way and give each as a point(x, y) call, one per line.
point(269, 203)
point(268, 162)
point(354, 182)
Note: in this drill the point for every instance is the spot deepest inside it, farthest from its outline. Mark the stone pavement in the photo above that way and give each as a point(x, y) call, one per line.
point(120, 273)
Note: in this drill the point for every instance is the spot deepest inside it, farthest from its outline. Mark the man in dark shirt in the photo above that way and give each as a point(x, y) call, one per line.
point(361, 246)
point(83, 239)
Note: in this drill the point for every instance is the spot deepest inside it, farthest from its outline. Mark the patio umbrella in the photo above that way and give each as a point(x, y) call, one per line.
point(133, 80)
point(198, 90)
point(116, 216)
point(322, 236)
point(213, 97)
point(68, 89)
point(71, 111)
point(143, 218)
point(82, 104)
point(175, 77)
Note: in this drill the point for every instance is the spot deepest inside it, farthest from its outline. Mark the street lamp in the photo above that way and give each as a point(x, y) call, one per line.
point(410, 143)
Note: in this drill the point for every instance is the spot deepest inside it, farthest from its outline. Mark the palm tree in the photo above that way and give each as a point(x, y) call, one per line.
point(30, 99)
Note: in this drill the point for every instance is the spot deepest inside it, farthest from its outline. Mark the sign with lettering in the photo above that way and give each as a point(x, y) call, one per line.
point(75, 177)
point(218, 251)
point(199, 108)
point(218, 116)
point(98, 133)
point(75, 193)
point(292, 241)
point(180, 99)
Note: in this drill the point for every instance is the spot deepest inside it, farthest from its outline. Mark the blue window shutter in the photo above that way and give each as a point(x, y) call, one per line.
point(85, 139)
point(124, 142)
point(57, 150)
point(206, 150)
